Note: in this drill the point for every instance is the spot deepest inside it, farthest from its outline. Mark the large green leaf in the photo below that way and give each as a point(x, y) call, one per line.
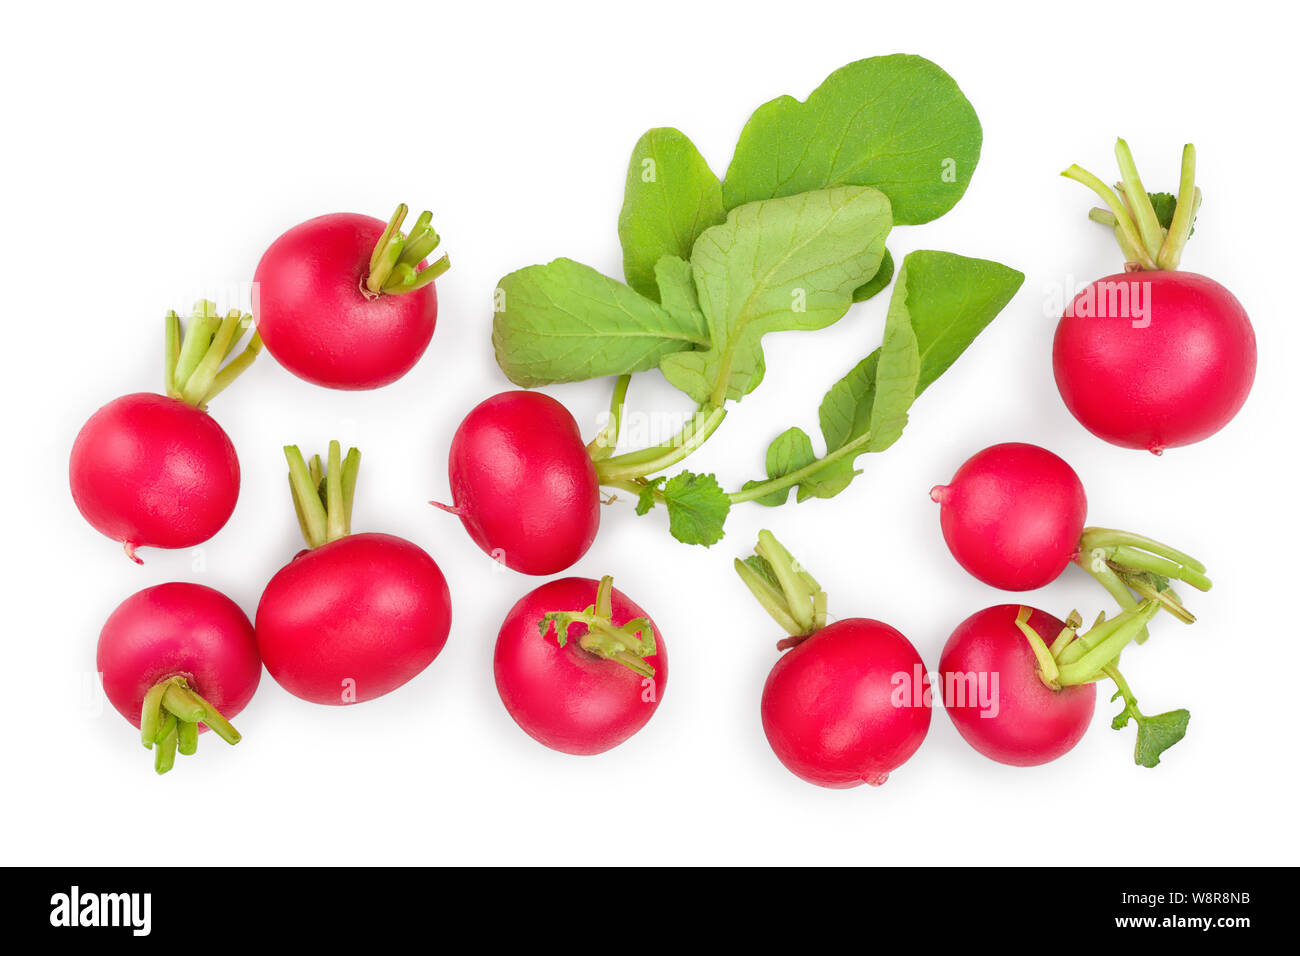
point(899, 123)
point(780, 264)
point(566, 322)
point(671, 196)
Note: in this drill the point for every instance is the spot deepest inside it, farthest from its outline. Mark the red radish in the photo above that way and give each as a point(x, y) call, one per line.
point(1013, 517)
point(157, 470)
point(1153, 358)
point(594, 674)
point(848, 703)
point(995, 697)
point(176, 659)
point(523, 484)
point(347, 301)
point(1019, 684)
point(353, 616)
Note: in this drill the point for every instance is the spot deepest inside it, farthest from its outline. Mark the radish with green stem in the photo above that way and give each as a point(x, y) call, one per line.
point(847, 703)
point(579, 666)
point(1153, 357)
point(157, 470)
point(347, 301)
point(523, 483)
point(1020, 685)
point(353, 616)
point(177, 659)
point(1013, 516)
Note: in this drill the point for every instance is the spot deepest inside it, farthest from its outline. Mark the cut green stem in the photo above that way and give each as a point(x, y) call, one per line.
point(395, 261)
point(322, 497)
point(602, 446)
point(1132, 215)
point(192, 369)
point(648, 461)
point(628, 644)
point(789, 594)
point(170, 718)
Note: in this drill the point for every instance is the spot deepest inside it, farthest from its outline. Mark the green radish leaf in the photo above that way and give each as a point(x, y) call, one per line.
point(777, 265)
point(898, 368)
point(899, 123)
point(671, 196)
point(646, 498)
point(940, 304)
point(697, 508)
point(884, 275)
point(677, 292)
point(1155, 734)
point(789, 451)
point(763, 568)
point(1164, 205)
point(566, 322)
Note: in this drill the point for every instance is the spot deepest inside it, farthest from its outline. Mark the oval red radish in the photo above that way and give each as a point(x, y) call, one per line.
point(347, 301)
point(1153, 358)
point(355, 615)
point(1020, 684)
point(152, 470)
point(523, 483)
point(176, 659)
point(995, 697)
point(1013, 515)
point(579, 666)
point(848, 703)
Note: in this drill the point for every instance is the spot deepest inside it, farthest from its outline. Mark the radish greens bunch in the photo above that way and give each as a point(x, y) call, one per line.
point(790, 239)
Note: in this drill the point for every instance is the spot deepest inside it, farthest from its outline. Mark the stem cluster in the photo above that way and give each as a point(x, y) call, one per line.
point(786, 591)
point(323, 493)
point(192, 367)
point(628, 644)
point(170, 718)
point(1145, 242)
point(395, 262)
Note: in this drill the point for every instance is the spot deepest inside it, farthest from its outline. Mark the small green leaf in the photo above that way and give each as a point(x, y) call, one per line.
point(671, 196)
point(898, 123)
point(884, 275)
point(777, 265)
point(1155, 734)
point(566, 322)
point(789, 451)
point(763, 568)
point(1164, 205)
point(697, 508)
point(646, 498)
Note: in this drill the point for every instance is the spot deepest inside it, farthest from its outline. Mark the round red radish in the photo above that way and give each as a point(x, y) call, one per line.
point(334, 311)
point(847, 705)
point(157, 470)
point(177, 659)
point(523, 483)
point(1013, 515)
point(569, 695)
point(355, 615)
point(1171, 378)
point(991, 690)
point(353, 619)
point(178, 629)
point(148, 470)
point(1152, 358)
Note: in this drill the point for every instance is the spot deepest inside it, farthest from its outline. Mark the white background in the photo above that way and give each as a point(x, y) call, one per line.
point(152, 155)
